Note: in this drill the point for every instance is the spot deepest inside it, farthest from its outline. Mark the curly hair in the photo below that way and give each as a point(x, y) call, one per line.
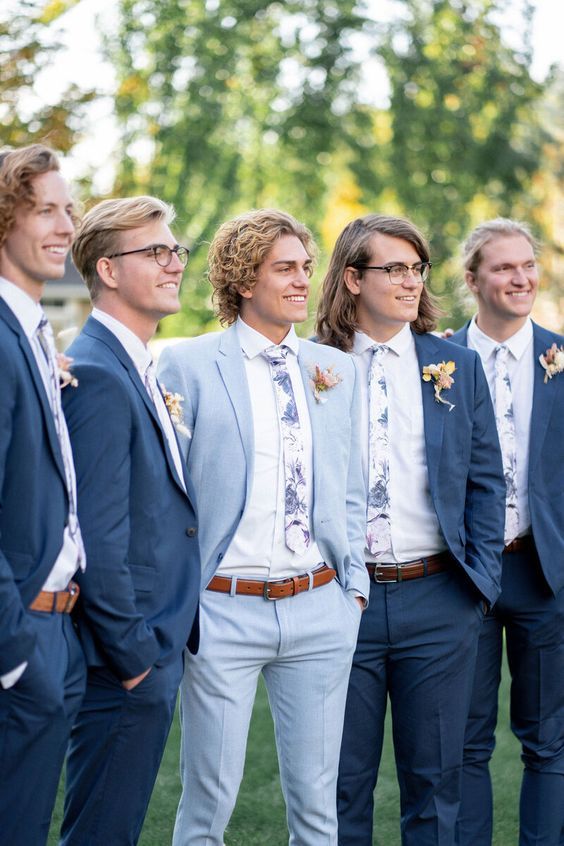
point(485, 232)
point(337, 311)
point(239, 248)
point(100, 232)
point(18, 169)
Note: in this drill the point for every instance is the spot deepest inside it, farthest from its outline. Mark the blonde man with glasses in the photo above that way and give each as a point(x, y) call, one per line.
point(136, 505)
point(433, 529)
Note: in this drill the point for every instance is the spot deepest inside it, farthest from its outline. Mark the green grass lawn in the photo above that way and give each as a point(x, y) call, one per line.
point(259, 818)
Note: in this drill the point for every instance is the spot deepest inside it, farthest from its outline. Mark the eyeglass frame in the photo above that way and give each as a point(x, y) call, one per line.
point(388, 267)
point(153, 248)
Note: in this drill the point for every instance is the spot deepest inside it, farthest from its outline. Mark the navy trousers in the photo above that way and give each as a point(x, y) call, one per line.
point(533, 620)
point(417, 644)
point(115, 751)
point(36, 716)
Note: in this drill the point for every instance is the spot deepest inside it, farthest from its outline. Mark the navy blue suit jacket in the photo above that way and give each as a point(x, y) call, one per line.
point(33, 495)
point(140, 590)
point(546, 459)
point(464, 464)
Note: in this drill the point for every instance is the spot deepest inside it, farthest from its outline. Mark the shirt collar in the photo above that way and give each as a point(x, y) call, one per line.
point(133, 345)
point(399, 343)
point(486, 346)
point(253, 343)
point(28, 312)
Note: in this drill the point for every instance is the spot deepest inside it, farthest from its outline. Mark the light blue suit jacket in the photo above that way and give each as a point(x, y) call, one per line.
point(209, 372)
point(546, 459)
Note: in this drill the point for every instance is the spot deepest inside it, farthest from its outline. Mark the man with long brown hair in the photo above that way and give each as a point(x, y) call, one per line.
point(434, 527)
point(42, 669)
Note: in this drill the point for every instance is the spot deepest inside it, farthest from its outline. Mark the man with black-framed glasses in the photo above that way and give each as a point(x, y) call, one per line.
point(139, 523)
point(434, 529)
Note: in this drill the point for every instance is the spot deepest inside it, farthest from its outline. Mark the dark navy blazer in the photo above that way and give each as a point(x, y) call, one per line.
point(140, 590)
point(33, 495)
point(546, 458)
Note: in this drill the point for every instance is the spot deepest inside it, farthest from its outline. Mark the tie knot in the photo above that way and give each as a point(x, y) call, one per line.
point(43, 325)
point(380, 350)
point(276, 355)
point(501, 351)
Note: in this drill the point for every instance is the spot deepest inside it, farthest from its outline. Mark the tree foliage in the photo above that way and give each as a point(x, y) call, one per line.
point(25, 51)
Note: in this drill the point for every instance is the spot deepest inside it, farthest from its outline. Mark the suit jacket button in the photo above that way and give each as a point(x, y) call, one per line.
point(192, 532)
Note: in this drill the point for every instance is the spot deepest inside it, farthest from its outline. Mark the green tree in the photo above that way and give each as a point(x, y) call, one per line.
point(25, 50)
point(466, 136)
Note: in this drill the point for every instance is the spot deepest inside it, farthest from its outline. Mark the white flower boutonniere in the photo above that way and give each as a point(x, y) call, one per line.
point(65, 375)
point(552, 361)
point(173, 403)
point(322, 381)
point(440, 374)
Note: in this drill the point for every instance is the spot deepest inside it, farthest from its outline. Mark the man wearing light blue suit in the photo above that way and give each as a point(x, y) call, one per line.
point(136, 506)
point(433, 528)
point(272, 449)
point(524, 364)
point(42, 671)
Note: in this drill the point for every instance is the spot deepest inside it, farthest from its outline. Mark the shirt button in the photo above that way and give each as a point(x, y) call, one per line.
point(192, 532)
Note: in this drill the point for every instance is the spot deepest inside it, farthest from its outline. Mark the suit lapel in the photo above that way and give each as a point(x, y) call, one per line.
point(46, 409)
point(97, 330)
point(317, 423)
point(433, 412)
point(543, 396)
point(232, 370)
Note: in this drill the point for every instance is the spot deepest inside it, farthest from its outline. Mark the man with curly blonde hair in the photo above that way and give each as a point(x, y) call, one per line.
point(41, 664)
point(272, 448)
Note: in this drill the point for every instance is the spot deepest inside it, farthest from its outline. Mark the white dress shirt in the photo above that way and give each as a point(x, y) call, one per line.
point(415, 530)
point(520, 367)
point(142, 358)
point(258, 548)
point(29, 314)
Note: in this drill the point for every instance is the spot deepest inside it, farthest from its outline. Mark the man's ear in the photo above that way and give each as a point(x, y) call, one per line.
point(106, 271)
point(470, 279)
point(352, 280)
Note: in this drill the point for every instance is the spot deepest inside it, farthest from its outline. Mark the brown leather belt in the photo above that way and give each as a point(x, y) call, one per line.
point(277, 588)
point(519, 544)
point(61, 601)
point(413, 570)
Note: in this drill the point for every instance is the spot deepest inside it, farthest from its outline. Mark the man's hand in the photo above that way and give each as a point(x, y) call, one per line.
point(361, 601)
point(129, 684)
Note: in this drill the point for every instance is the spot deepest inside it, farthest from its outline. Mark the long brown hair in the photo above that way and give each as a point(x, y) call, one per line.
point(337, 311)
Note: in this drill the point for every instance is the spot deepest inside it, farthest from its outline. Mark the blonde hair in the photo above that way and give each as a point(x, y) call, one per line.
point(239, 248)
point(337, 311)
point(99, 234)
point(502, 227)
point(18, 170)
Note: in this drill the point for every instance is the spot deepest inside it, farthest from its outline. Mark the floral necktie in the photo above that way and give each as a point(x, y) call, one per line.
point(505, 422)
point(296, 517)
point(47, 344)
point(167, 425)
point(378, 528)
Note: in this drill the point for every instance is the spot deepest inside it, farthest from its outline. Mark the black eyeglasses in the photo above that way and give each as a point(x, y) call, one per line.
point(161, 253)
point(397, 273)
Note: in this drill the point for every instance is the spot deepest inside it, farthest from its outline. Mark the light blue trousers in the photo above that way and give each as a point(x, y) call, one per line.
point(303, 645)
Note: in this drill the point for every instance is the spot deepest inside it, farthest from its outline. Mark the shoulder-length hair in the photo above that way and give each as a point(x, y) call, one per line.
point(337, 311)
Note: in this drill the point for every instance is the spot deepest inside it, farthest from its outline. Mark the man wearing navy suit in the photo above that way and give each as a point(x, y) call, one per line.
point(42, 670)
point(433, 528)
point(272, 448)
point(136, 508)
point(501, 272)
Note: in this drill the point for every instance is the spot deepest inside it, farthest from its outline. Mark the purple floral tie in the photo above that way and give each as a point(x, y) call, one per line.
point(296, 517)
point(505, 421)
point(378, 528)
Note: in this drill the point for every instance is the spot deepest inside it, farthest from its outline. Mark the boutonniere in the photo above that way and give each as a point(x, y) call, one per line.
point(173, 403)
point(440, 374)
point(552, 361)
point(322, 381)
point(65, 375)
